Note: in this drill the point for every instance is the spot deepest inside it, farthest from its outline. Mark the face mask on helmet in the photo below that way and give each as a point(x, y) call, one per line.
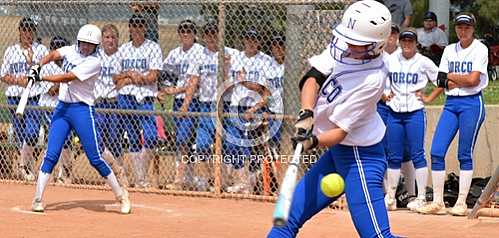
point(364, 23)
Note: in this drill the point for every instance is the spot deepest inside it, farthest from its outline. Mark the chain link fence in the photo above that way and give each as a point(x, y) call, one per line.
point(204, 128)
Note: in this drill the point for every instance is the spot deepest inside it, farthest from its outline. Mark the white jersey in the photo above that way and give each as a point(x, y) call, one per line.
point(14, 63)
point(254, 68)
point(104, 87)
point(275, 79)
point(86, 69)
point(408, 76)
point(179, 61)
point(46, 100)
point(348, 99)
point(386, 59)
point(464, 61)
point(234, 69)
point(435, 36)
point(146, 57)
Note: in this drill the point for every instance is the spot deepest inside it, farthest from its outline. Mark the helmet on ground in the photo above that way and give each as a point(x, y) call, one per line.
point(89, 33)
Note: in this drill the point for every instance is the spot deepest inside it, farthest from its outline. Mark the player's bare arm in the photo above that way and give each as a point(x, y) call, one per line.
point(143, 79)
point(465, 80)
point(263, 92)
point(60, 78)
point(9, 79)
point(190, 89)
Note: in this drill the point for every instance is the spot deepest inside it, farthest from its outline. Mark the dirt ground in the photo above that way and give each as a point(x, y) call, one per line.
point(93, 213)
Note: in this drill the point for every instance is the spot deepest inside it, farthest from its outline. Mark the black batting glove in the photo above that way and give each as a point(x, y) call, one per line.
point(305, 122)
point(34, 73)
point(308, 140)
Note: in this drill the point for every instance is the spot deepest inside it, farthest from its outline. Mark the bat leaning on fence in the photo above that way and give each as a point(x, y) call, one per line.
point(487, 194)
point(21, 106)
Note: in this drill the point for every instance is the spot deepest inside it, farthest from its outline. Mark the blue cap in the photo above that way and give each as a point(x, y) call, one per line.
point(430, 16)
point(409, 33)
point(251, 33)
point(465, 18)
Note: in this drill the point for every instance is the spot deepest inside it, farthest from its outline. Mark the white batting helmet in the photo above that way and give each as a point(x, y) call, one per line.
point(366, 22)
point(89, 33)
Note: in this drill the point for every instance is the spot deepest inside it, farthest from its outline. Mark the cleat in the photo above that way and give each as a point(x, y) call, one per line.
point(416, 203)
point(37, 206)
point(459, 209)
point(125, 205)
point(433, 208)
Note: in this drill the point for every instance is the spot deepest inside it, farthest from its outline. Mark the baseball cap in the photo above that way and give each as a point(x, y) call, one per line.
point(409, 33)
point(429, 15)
point(395, 27)
point(210, 27)
point(186, 26)
point(137, 20)
point(278, 38)
point(465, 18)
point(57, 42)
point(27, 23)
point(251, 33)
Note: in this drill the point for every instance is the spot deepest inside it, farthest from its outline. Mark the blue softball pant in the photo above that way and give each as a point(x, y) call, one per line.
point(384, 111)
point(184, 126)
point(79, 117)
point(133, 123)
point(362, 169)
point(463, 113)
point(26, 129)
point(109, 126)
point(406, 129)
point(205, 132)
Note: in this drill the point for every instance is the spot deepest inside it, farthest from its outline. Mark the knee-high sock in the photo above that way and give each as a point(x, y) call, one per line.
point(465, 177)
point(408, 171)
point(113, 182)
point(393, 176)
point(438, 179)
point(422, 180)
point(41, 183)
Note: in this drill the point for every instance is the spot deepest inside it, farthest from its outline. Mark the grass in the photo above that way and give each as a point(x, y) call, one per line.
point(491, 94)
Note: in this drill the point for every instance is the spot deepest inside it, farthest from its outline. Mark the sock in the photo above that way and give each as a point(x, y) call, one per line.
point(407, 170)
point(438, 178)
point(115, 186)
point(393, 176)
point(422, 180)
point(41, 183)
point(465, 177)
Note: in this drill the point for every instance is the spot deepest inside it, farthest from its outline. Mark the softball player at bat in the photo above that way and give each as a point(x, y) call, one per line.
point(463, 72)
point(109, 123)
point(17, 60)
point(49, 99)
point(249, 96)
point(409, 74)
point(345, 83)
point(139, 66)
point(75, 110)
point(180, 60)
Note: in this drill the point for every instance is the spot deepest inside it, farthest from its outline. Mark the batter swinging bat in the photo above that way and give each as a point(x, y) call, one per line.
point(288, 184)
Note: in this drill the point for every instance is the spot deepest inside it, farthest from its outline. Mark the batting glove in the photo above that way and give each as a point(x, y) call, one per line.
point(34, 73)
point(308, 140)
point(305, 122)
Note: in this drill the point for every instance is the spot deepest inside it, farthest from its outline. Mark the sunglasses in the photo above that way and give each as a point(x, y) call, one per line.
point(185, 31)
point(136, 25)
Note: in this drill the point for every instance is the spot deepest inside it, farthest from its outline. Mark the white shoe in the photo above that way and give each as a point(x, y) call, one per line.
point(391, 204)
point(416, 203)
point(125, 205)
point(239, 188)
point(459, 209)
point(37, 206)
point(433, 208)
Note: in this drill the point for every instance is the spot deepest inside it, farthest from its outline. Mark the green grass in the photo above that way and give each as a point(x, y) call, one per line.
point(491, 94)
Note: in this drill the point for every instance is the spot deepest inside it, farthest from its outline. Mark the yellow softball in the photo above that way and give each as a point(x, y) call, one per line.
point(332, 185)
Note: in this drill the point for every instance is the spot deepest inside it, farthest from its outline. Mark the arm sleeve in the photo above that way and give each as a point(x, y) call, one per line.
point(63, 51)
point(323, 62)
point(89, 68)
point(6, 62)
point(349, 116)
point(430, 70)
point(481, 60)
point(156, 58)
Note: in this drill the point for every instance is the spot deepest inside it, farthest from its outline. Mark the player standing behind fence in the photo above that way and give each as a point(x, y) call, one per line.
point(178, 61)
point(409, 74)
point(49, 99)
point(463, 72)
point(109, 123)
point(248, 97)
point(139, 66)
point(342, 87)
point(17, 60)
point(75, 110)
